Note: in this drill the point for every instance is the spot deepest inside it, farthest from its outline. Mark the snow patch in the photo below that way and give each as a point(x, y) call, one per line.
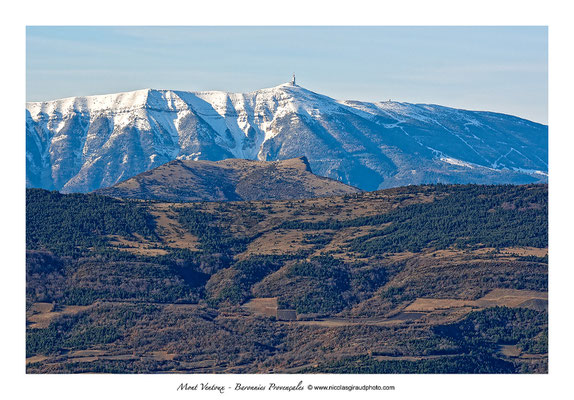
point(531, 171)
point(454, 161)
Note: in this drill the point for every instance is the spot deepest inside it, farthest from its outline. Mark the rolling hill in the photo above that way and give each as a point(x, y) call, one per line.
point(228, 180)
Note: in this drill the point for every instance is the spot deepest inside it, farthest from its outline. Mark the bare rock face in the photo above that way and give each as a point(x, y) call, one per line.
point(228, 180)
point(82, 144)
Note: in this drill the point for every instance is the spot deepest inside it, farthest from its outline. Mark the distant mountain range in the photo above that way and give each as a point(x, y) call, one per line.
point(228, 180)
point(82, 144)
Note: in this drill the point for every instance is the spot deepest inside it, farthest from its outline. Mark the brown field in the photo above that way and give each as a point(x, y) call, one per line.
point(427, 305)
point(509, 253)
point(277, 242)
point(510, 350)
point(41, 314)
point(138, 246)
point(36, 359)
point(514, 352)
point(496, 297)
point(510, 297)
point(41, 308)
point(172, 234)
point(340, 238)
point(526, 251)
point(262, 306)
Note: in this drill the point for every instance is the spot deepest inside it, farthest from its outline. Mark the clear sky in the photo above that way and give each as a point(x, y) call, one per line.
point(503, 69)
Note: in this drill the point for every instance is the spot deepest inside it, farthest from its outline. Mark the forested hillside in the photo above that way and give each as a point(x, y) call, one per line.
point(433, 278)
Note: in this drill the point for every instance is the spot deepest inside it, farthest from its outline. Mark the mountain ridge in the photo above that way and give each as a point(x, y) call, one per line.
point(91, 142)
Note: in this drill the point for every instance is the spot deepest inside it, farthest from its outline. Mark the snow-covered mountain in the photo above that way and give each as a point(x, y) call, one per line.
point(80, 144)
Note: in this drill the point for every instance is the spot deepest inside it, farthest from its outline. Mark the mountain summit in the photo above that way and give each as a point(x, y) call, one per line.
point(81, 144)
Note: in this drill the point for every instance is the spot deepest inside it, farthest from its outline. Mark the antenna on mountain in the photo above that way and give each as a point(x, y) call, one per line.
point(293, 80)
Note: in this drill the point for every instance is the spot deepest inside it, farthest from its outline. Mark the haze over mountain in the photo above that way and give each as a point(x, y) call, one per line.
point(81, 144)
point(231, 179)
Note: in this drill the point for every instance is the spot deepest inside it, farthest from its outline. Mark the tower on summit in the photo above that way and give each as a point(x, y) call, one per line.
point(293, 80)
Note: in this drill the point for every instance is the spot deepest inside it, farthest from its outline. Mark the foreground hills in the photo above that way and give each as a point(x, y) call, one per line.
point(228, 180)
point(82, 144)
point(419, 279)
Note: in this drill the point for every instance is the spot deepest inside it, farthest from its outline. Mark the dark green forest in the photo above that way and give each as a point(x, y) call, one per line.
point(463, 216)
point(73, 224)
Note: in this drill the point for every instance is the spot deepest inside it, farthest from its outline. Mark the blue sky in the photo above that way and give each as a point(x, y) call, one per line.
point(501, 69)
